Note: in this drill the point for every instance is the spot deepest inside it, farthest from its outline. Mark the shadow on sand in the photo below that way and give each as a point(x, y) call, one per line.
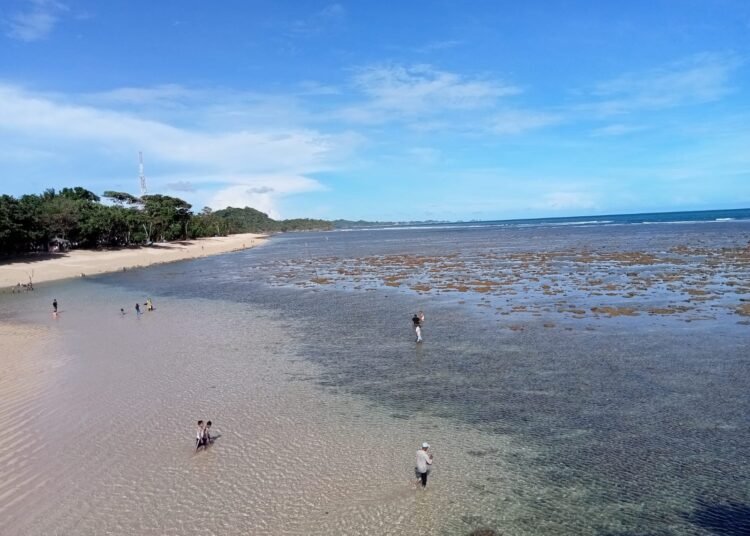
point(29, 258)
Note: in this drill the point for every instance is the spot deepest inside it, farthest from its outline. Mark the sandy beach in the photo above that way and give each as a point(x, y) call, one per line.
point(79, 263)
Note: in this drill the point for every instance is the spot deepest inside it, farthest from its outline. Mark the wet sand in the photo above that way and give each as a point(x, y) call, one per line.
point(27, 370)
point(79, 263)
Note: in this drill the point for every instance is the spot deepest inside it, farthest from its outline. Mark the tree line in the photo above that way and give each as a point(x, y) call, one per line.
point(78, 218)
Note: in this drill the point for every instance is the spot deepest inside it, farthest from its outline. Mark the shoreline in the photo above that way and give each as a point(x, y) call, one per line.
point(81, 263)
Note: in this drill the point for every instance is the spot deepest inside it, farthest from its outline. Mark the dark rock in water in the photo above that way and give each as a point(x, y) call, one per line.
point(484, 532)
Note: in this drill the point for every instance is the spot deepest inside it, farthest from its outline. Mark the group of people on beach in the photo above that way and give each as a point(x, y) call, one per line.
point(149, 305)
point(203, 435)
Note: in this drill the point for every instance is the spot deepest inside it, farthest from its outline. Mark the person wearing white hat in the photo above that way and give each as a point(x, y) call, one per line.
point(424, 460)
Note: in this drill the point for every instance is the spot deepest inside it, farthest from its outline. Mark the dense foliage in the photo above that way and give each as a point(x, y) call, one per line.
point(249, 220)
point(76, 217)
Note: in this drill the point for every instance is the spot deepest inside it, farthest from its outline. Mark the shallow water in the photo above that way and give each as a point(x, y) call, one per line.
point(541, 424)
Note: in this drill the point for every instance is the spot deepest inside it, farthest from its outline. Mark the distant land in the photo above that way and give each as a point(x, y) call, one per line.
point(76, 218)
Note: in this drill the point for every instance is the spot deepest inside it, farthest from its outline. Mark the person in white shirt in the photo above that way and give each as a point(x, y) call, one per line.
point(200, 436)
point(424, 461)
point(418, 331)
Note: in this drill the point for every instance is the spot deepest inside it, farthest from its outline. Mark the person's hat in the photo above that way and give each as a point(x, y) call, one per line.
point(425, 445)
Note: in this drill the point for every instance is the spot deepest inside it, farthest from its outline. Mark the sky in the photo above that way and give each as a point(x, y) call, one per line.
point(387, 110)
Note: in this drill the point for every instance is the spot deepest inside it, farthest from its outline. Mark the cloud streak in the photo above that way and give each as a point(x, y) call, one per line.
point(35, 23)
point(699, 79)
point(329, 16)
point(402, 92)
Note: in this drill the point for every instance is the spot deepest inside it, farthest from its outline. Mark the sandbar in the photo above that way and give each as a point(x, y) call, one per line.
point(81, 263)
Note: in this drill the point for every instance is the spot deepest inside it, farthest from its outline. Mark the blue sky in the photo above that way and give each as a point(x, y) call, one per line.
point(383, 110)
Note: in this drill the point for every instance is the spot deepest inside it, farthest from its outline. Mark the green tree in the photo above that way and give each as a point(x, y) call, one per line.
point(79, 194)
point(167, 217)
point(31, 219)
point(122, 198)
point(60, 216)
point(13, 236)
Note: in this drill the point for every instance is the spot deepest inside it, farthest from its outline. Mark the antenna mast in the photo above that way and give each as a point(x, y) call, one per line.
point(144, 190)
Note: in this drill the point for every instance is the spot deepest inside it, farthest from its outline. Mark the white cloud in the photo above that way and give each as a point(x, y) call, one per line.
point(396, 91)
point(35, 23)
point(237, 150)
point(266, 162)
point(701, 78)
point(261, 192)
point(143, 95)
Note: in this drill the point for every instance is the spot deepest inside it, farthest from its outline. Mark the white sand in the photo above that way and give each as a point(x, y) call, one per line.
point(86, 262)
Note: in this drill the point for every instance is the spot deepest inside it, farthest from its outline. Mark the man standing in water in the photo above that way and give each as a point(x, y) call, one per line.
point(416, 321)
point(54, 305)
point(424, 460)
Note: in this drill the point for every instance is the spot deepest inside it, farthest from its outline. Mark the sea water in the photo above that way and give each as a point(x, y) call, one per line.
point(546, 418)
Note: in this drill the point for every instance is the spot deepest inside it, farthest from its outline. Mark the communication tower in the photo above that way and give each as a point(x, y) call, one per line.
point(144, 190)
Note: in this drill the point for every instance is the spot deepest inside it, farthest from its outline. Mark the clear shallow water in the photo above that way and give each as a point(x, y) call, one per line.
point(106, 447)
point(595, 426)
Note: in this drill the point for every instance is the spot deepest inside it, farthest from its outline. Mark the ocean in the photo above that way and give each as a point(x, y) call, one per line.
point(692, 216)
point(578, 376)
